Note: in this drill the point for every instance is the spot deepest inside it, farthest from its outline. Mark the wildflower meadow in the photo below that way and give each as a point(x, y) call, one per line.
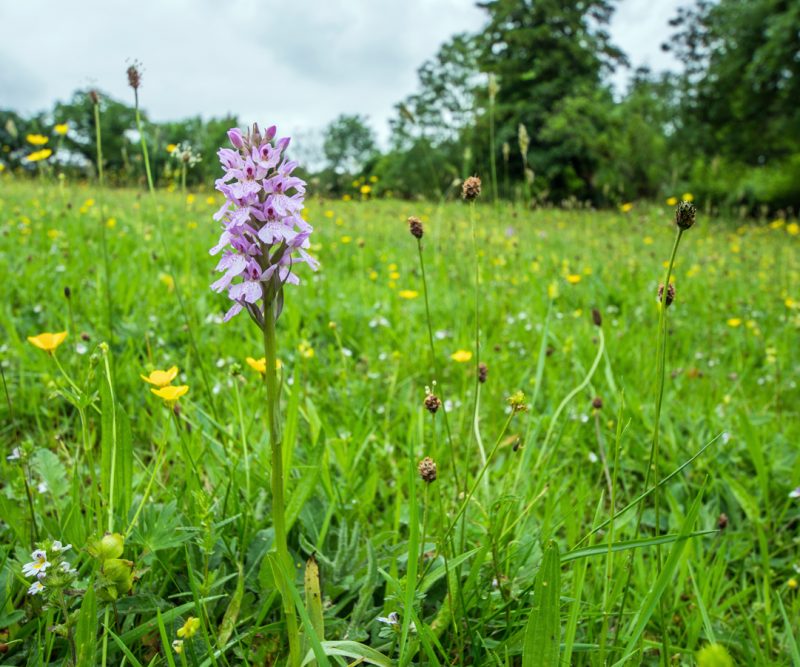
point(251, 420)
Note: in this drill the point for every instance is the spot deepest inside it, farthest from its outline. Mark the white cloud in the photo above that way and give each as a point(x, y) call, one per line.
point(297, 63)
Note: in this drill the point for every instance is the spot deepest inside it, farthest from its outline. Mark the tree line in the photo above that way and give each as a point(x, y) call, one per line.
point(527, 103)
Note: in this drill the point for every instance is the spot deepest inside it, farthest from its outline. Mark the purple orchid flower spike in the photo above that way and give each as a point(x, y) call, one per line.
point(264, 237)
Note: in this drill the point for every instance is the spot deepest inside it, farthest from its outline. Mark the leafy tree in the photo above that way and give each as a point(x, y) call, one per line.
point(348, 144)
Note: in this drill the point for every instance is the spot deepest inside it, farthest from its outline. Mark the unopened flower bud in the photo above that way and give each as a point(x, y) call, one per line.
point(67, 292)
point(94, 97)
point(427, 469)
point(235, 135)
point(483, 372)
point(597, 318)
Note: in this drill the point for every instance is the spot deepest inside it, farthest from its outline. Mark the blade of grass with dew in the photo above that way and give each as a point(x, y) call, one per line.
point(542, 641)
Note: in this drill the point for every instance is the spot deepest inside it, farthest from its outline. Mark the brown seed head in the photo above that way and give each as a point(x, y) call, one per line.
point(134, 76)
point(415, 227)
point(483, 372)
point(94, 97)
point(597, 403)
point(471, 188)
point(432, 402)
point(670, 294)
point(722, 521)
point(427, 469)
point(597, 318)
point(685, 214)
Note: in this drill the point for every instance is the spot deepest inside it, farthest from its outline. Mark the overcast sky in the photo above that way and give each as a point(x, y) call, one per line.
point(296, 63)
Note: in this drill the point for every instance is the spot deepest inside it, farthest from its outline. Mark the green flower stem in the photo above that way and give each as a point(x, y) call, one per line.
point(277, 482)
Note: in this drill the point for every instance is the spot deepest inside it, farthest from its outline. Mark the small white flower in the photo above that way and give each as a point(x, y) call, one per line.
point(81, 348)
point(65, 567)
point(35, 588)
point(392, 619)
point(38, 565)
point(42, 487)
point(593, 457)
point(58, 547)
point(795, 493)
point(14, 455)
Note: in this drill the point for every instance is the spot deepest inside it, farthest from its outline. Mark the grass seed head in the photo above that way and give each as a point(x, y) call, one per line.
point(134, 76)
point(597, 318)
point(685, 214)
point(415, 227)
point(483, 372)
point(471, 189)
point(670, 294)
point(427, 469)
point(432, 401)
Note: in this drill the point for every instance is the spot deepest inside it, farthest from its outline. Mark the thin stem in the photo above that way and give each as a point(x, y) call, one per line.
point(424, 528)
point(435, 362)
point(652, 465)
point(98, 143)
point(243, 432)
point(277, 483)
point(476, 400)
point(112, 472)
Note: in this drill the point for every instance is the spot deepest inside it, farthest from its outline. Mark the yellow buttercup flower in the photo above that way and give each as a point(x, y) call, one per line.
point(734, 322)
point(37, 156)
point(48, 341)
point(171, 148)
point(260, 365)
point(61, 128)
point(573, 278)
point(161, 378)
point(408, 294)
point(626, 207)
point(461, 356)
point(170, 393)
point(37, 139)
point(365, 189)
point(190, 628)
point(305, 350)
point(672, 201)
point(687, 196)
point(793, 228)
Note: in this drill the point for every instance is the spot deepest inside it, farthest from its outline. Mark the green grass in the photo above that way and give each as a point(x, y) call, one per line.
point(355, 428)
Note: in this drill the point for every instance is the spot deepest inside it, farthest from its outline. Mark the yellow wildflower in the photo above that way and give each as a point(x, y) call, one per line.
point(161, 378)
point(38, 156)
point(171, 394)
point(552, 291)
point(346, 198)
point(573, 278)
point(210, 200)
point(792, 583)
point(305, 350)
point(171, 148)
point(626, 207)
point(408, 294)
point(37, 139)
point(365, 189)
point(168, 280)
point(373, 179)
point(793, 228)
point(260, 365)
point(687, 196)
point(190, 628)
point(177, 646)
point(734, 322)
point(61, 128)
point(346, 239)
point(48, 341)
point(672, 201)
point(461, 356)
point(111, 223)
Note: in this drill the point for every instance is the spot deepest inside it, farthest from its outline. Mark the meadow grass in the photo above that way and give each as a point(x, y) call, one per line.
point(451, 565)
